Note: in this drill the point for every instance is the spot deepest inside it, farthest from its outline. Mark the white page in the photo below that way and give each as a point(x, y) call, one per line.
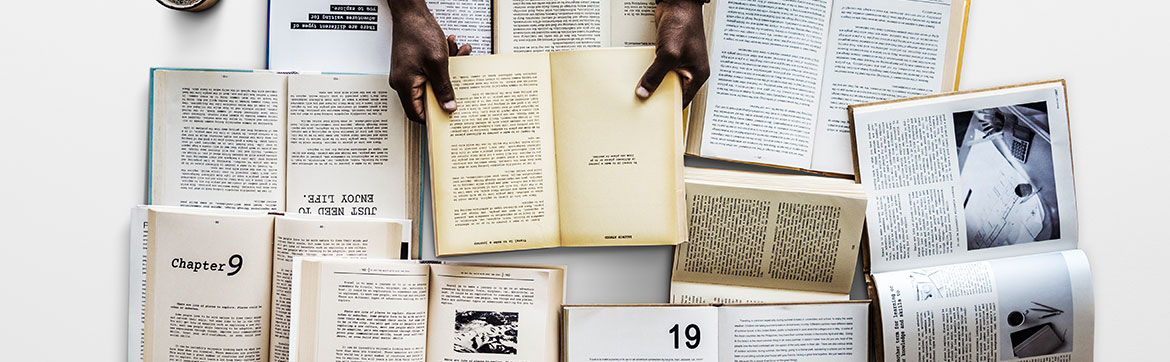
point(767, 58)
point(136, 285)
point(1005, 309)
point(628, 333)
point(370, 308)
point(527, 26)
point(355, 36)
point(703, 293)
point(218, 140)
point(912, 167)
point(801, 332)
point(322, 236)
point(878, 50)
point(346, 147)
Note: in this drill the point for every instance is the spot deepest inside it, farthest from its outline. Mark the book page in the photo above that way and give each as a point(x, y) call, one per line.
point(642, 333)
point(136, 285)
point(526, 26)
point(967, 176)
point(354, 36)
point(1034, 308)
point(770, 239)
point(632, 23)
point(767, 58)
point(485, 313)
point(207, 286)
point(878, 50)
point(346, 147)
point(217, 140)
point(322, 236)
point(619, 159)
point(351, 309)
point(493, 165)
point(470, 21)
point(799, 332)
point(703, 293)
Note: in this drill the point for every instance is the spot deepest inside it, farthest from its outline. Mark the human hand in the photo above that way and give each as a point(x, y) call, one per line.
point(681, 47)
point(418, 56)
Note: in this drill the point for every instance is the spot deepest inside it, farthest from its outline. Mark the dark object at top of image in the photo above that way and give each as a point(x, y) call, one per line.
point(188, 5)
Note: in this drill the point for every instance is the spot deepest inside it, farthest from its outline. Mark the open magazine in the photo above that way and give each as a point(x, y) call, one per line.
point(972, 227)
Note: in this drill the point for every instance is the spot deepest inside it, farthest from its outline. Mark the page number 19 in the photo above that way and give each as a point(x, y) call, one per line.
point(691, 333)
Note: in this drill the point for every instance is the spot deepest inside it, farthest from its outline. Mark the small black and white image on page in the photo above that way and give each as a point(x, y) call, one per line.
point(486, 332)
point(1007, 186)
point(1035, 306)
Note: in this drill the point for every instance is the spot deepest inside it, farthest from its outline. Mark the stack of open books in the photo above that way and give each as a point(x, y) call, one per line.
point(284, 207)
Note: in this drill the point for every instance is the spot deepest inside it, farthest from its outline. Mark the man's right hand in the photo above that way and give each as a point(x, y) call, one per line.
point(418, 56)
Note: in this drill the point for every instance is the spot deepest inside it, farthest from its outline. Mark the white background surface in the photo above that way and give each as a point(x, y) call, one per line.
point(73, 110)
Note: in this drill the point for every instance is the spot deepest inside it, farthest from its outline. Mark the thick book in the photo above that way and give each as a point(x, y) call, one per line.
point(523, 26)
point(206, 284)
point(804, 332)
point(355, 36)
point(766, 238)
point(554, 149)
point(777, 92)
point(392, 310)
point(972, 226)
point(319, 144)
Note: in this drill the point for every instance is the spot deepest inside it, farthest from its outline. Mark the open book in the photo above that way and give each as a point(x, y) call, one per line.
point(386, 310)
point(973, 227)
point(552, 149)
point(758, 237)
point(523, 26)
point(355, 35)
point(830, 331)
point(208, 284)
point(321, 144)
point(778, 92)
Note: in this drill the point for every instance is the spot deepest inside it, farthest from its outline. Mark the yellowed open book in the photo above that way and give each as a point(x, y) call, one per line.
point(397, 310)
point(782, 73)
point(554, 149)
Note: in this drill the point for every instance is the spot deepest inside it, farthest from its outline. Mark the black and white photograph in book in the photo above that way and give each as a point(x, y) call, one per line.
point(1035, 307)
point(1007, 185)
point(486, 332)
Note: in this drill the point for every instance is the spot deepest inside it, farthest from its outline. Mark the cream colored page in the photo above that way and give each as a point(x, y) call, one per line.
point(322, 236)
point(619, 159)
point(632, 23)
point(207, 286)
point(861, 67)
point(480, 313)
point(703, 293)
point(217, 140)
point(828, 332)
point(770, 239)
point(493, 161)
point(371, 308)
point(646, 333)
point(527, 26)
point(346, 154)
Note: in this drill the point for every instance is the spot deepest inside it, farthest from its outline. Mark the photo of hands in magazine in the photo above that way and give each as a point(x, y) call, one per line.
point(1008, 188)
